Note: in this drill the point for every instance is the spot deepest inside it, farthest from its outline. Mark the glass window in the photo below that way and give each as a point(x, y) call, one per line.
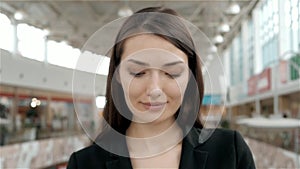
point(6, 33)
point(251, 46)
point(232, 71)
point(103, 67)
point(291, 21)
point(31, 42)
point(240, 58)
point(270, 34)
point(295, 25)
point(298, 25)
point(62, 54)
point(236, 61)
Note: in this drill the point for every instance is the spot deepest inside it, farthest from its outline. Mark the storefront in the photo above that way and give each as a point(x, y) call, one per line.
point(28, 114)
point(289, 105)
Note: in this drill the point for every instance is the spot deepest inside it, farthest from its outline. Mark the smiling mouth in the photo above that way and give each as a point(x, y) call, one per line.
point(154, 106)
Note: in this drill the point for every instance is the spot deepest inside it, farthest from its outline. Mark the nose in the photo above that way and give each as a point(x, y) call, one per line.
point(155, 93)
point(154, 89)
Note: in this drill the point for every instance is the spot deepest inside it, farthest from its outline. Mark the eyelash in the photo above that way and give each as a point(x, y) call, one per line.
point(139, 74)
point(174, 75)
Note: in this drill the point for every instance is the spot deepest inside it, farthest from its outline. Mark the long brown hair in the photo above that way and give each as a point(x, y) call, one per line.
point(168, 29)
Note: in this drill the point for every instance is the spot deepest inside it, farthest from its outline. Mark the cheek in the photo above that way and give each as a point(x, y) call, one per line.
point(131, 86)
point(174, 92)
point(135, 89)
point(177, 89)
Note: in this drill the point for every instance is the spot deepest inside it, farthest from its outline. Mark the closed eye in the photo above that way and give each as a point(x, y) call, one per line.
point(139, 74)
point(173, 75)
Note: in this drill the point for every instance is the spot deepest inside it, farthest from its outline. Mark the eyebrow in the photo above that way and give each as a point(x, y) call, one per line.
point(172, 63)
point(146, 64)
point(138, 62)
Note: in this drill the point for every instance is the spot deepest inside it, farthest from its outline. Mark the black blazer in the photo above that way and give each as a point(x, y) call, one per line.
point(225, 149)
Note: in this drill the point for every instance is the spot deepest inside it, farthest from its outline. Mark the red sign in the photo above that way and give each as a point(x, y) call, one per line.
point(252, 81)
point(264, 82)
point(283, 66)
point(260, 83)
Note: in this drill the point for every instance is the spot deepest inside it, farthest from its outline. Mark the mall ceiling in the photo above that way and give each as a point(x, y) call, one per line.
point(75, 21)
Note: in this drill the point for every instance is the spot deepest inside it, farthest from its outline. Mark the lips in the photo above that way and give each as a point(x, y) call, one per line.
point(154, 106)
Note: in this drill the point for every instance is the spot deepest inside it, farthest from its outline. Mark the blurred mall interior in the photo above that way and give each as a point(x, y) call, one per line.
point(256, 42)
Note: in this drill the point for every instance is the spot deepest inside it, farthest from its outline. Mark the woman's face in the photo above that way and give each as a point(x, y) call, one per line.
point(154, 75)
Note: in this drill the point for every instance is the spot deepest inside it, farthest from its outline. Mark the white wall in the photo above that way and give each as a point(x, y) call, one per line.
point(23, 72)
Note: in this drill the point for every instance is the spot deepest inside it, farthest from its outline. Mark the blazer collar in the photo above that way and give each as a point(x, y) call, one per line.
point(119, 162)
point(191, 157)
point(118, 144)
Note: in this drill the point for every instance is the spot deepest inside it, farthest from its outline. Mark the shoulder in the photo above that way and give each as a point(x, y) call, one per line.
point(228, 144)
point(217, 134)
point(230, 137)
point(92, 156)
point(91, 151)
point(227, 136)
point(224, 132)
point(221, 138)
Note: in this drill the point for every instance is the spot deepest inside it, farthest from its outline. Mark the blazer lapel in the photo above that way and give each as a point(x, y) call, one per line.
point(118, 144)
point(192, 158)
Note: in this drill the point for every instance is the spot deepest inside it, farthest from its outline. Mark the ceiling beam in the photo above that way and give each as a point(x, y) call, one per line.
point(7, 9)
point(237, 22)
point(196, 13)
point(206, 24)
point(93, 11)
point(62, 15)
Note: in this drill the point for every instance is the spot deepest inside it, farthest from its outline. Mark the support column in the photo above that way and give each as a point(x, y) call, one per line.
point(275, 89)
point(15, 38)
point(276, 110)
point(257, 106)
point(45, 50)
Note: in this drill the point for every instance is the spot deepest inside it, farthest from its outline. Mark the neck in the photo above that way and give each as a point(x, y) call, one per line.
point(145, 140)
point(142, 130)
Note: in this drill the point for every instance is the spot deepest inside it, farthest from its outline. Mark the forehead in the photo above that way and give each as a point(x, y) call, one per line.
point(150, 43)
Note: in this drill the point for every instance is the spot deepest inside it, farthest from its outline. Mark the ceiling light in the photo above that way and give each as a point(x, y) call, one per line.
point(18, 16)
point(125, 11)
point(213, 49)
point(224, 28)
point(233, 9)
point(33, 104)
point(219, 39)
point(210, 57)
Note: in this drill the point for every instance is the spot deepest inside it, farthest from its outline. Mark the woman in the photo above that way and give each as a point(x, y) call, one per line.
point(154, 91)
